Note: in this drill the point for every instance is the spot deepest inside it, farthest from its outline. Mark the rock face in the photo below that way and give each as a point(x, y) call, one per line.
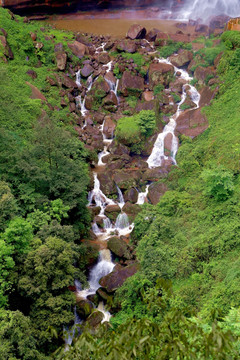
point(118, 247)
point(115, 279)
point(182, 58)
point(130, 84)
point(191, 123)
point(78, 49)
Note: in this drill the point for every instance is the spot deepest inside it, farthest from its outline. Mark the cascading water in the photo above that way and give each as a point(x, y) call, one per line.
point(78, 78)
point(122, 221)
point(121, 202)
point(142, 196)
point(80, 101)
point(102, 268)
point(157, 155)
point(98, 197)
point(204, 9)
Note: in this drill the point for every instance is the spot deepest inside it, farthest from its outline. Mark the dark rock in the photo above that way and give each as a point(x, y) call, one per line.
point(131, 210)
point(107, 184)
point(115, 279)
point(155, 174)
point(103, 58)
point(131, 195)
point(102, 293)
point(152, 34)
point(136, 32)
point(156, 191)
point(126, 179)
point(118, 149)
point(84, 308)
point(202, 73)
point(130, 84)
point(100, 88)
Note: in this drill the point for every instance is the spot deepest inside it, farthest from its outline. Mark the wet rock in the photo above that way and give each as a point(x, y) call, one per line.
point(110, 77)
point(99, 221)
point(128, 46)
point(115, 279)
point(191, 123)
point(84, 308)
point(78, 49)
point(161, 39)
point(131, 210)
point(109, 127)
point(182, 58)
point(87, 70)
point(156, 191)
point(160, 73)
point(131, 195)
point(94, 299)
point(61, 60)
point(218, 22)
point(112, 212)
point(118, 247)
point(94, 320)
point(130, 84)
point(136, 31)
point(168, 144)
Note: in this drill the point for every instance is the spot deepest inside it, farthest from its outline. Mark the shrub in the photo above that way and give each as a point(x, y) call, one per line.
point(218, 183)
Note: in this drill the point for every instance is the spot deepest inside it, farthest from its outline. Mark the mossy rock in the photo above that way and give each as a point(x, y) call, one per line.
point(94, 320)
point(118, 247)
point(84, 308)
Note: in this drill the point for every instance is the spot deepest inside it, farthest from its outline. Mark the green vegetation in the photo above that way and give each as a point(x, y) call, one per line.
point(134, 130)
point(172, 47)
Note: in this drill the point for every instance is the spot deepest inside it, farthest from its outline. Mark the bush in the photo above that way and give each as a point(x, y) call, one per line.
point(218, 183)
point(231, 39)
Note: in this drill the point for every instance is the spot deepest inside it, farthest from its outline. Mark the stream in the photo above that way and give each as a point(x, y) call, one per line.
point(96, 197)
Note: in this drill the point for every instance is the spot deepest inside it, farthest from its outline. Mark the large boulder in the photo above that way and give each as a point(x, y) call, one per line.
point(107, 184)
point(131, 84)
point(100, 88)
point(84, 308)
point(115, 279)
point(160, 73)
point(152, 34)
point(36, 93)
point(191, 123)
point(202, 73)
point(78, 49)
point(131, 195)
point(126, 179)
point(182, 58)
point(136, 31)
point(156, 191)
point(118, 247)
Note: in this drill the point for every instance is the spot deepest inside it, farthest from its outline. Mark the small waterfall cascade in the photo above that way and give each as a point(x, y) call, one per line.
point(106, 313)
point(80, 101)
point(204, 9)
point(100, 48)
point(98, 196)
point(121, 201)
point(101, 155)
point(157, 155)
point(108, 66)
point(142, 196)
point(122, 221)
point(78, 78)
point(102, 268)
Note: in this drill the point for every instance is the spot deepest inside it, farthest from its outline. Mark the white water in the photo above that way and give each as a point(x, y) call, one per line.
point(157, 155)
point(80, 101)
point(108, 66)
point(121, 201)
point(102, 268)
point(98, 196)
point(78, 78)
point(100, 48)
point(204, 9)
point(142, 196)
point(106, 313)
point(122, 221)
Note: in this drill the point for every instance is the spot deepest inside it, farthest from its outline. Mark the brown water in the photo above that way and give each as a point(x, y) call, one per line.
point(111, 23)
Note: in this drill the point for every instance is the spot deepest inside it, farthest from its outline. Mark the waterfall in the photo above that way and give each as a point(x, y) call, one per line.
point(157, 155)
point(100, 48)
point(102, 268)
point(106, 313)
point(98, 196)
point(78, 78)
point(121, 202)
point(142, 196)
point(122, 221)
point(108, 66)
point(204, 9)
point(101, 155)
point(107, 223)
